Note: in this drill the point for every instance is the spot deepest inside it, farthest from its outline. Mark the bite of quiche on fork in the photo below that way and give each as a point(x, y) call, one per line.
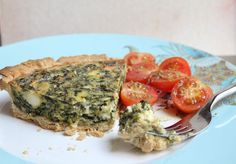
point(70, 94)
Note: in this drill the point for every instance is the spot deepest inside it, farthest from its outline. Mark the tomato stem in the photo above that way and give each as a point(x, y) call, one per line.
point(132, 49)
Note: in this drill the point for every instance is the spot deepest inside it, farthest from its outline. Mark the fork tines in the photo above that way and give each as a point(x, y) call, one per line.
point(183, 126)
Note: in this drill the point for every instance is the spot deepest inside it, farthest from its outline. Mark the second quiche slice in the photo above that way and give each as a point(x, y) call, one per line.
point(72, 93)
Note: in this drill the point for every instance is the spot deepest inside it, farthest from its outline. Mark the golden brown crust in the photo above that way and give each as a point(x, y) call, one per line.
point(145, 142)
point(82, 58)
point(138, 137)
point(82, 136)
point(97, 130)
point(149, 143)
point(38, 120)
point(13, 72)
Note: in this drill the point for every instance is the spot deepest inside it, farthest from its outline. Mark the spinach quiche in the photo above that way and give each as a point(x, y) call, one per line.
point(70, 94)
point(139, 127)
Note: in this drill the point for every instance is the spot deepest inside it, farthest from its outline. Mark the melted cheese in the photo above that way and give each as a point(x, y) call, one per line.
point(32, 98)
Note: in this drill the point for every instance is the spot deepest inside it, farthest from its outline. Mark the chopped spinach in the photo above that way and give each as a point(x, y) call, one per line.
point(75, 93)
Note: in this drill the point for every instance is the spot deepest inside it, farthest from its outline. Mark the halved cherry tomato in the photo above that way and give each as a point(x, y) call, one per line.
point(165, 80)
point(134, 92)
point(140, 72)
point(176, 64)
point(190, 94)
point(133, 58)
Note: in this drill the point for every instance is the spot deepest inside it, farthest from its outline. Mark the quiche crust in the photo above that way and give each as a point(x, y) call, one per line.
point(9, 74)
point(98, 130)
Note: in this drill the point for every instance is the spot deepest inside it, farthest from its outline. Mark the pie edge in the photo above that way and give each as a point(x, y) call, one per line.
point(10, 73)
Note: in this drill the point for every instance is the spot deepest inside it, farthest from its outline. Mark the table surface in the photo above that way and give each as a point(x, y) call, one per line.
point(213, 26)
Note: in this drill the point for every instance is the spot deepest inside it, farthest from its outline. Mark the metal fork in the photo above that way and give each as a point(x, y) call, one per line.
point(192, 124)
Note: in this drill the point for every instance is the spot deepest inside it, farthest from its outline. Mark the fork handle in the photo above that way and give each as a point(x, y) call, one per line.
point(222, 94)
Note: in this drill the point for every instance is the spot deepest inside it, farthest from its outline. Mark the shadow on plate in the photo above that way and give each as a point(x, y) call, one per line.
point(6, 108)
point(118, 145)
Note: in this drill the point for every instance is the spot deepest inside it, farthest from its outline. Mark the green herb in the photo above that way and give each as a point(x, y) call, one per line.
point(85, 93)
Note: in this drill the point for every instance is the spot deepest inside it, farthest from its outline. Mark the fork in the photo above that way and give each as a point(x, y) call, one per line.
point(194, 123)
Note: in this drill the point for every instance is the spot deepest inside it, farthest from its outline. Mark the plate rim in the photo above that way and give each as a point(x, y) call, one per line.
point(7, 156)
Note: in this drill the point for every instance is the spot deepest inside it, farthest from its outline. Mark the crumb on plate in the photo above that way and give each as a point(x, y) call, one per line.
point(39, 129)
point(71, 148)
point(82, 136)
point(69, 132)
point(25, 152)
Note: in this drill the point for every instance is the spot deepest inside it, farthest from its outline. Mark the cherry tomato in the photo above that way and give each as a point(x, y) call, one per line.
point(134, 92)
point(140, 72)
point(176, 64)
point(165, 80)
point(133, 58)
point(190, 94)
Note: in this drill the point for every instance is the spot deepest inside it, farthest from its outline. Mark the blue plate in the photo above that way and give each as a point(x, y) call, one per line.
point(216, 144)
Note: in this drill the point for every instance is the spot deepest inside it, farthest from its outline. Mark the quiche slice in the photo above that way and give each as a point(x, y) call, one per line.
point(138, 126)
point(71, 94)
